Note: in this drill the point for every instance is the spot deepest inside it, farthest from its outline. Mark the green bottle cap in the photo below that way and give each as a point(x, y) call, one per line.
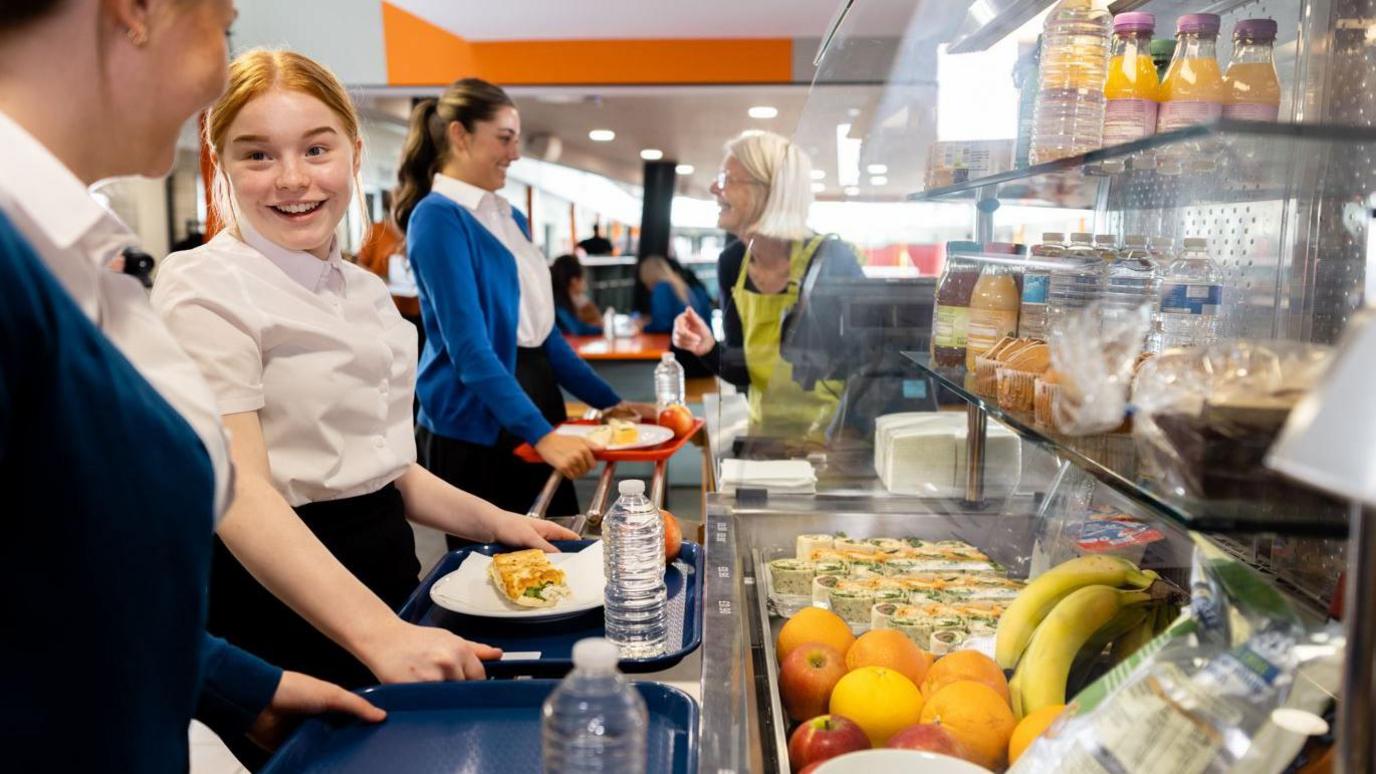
point(1162, 48)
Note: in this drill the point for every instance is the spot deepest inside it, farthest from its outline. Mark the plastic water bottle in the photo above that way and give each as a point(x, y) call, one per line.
point(1133, 279)
point(1069, 116)
point(668, 381)
point(636, 610)
point(1077, 281)
point(1191, 298)
point(594, 721)
point(1036, 284)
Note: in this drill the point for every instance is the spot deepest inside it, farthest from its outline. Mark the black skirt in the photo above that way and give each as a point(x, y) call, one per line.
point(493, 472)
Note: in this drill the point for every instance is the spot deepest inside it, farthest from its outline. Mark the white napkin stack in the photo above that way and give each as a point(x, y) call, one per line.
point(775, 476)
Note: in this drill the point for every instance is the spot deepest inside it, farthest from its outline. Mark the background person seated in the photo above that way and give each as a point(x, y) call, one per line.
point(574, 312)
point(670, 295)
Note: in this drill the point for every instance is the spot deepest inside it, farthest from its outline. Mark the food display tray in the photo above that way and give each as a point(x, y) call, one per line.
point(545, 648)
point(479, 726)
point(652, 454)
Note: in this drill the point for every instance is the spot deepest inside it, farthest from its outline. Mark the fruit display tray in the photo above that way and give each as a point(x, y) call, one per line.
point(470, 727)
point(653, 454)
point(545, 648)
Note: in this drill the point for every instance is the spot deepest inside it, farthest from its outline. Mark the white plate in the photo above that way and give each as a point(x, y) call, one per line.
point(893, 761)
point(646, 436)
point(469, 590)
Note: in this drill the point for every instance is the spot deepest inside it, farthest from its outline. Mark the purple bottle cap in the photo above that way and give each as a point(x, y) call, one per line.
point(1201, 23)
point(1256, 29)
point(1134, 21)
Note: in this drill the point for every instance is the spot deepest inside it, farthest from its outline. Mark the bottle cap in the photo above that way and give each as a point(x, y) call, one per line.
point(1135, 21)
point(631, 487)
point(1162, 47)
point(1105, 239)
point(667, 357)
point(1201, 23)
point(595, 653)
point(1052, 237)
point(1196, 243)
point(1136, 240)
point(1080, 236)
point(1256, 29)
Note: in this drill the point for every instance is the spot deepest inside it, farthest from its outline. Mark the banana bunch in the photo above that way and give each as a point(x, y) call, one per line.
point(1061, 623)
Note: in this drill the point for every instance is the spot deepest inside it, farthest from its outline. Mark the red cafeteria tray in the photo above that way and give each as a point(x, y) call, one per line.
point(651, 454)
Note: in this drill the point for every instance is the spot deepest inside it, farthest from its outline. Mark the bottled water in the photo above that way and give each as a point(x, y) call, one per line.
point(636, 610)
point(1106, 245)
point(594, 721)
point(1191, 297)
point(1036, 284)
point(1077, 281)
point(668, 381)
point(1069, 115)
point(1133, 279)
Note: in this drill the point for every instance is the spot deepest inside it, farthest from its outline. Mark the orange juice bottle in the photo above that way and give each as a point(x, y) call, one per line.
point(1131, 87)
point(1192, 92)
point(1252, 88)
point(993, 311)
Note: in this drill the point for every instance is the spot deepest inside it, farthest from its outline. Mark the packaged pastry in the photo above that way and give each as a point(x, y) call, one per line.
point(986, 365)
point(1048, 384)
point(1017, 378)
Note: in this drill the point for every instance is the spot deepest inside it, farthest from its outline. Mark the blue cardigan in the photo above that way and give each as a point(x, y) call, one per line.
point(470, 300)
point(106, 555)
point(665, 305)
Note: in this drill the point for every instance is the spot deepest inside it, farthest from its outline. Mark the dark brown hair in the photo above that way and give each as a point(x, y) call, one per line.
point(16, 13)
point(468, 101)
point(562, 273)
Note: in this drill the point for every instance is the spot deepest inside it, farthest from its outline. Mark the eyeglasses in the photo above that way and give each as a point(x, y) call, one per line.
point(722, 180)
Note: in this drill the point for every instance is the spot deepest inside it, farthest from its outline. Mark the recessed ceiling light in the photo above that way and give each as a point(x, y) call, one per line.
point(819, 174)
point(852, 191)
point(763, 111)
point(879, 180)
point(877, 169)
point(684, 169)
point(819, 187)
point(601, 135)
point(652, 154)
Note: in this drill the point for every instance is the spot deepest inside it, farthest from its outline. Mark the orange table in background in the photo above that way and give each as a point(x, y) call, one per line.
point(642, 346)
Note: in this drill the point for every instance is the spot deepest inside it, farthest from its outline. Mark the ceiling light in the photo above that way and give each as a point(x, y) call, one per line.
point(652, 154)
point(879, 180)
point(819, 187)
point(763, 111)
point(684, 169)
point(601, 135)
point(877, 169)
point(852, 191)
point(819, 174)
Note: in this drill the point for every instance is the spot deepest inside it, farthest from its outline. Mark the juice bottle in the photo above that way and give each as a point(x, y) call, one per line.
point(951, 316)
point(994, 306)
point(1132, 85)
point(1253, 90)
point(1192, 92)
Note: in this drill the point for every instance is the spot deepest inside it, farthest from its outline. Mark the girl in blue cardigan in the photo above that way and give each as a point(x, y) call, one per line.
point(493, 362)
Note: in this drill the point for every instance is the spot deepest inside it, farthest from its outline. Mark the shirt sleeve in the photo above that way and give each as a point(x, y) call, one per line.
point(443, 263)
point(236, 686)
point(727, 359)
point(664, 307)
point(576, 375)
point(224, 345)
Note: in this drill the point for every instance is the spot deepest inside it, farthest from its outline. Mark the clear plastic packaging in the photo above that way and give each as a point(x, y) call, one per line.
point(1094, 352)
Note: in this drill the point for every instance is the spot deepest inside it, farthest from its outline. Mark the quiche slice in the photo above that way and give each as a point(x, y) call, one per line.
point(617, 432)
point(528, 578)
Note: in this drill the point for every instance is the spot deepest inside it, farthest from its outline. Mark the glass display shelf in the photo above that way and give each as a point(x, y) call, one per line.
point(1226, 162)
point(1111, 458)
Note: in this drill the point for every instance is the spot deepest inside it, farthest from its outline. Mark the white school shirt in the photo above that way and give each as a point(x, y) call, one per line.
point(537, 289)
point(317, 348)
point(76, 238)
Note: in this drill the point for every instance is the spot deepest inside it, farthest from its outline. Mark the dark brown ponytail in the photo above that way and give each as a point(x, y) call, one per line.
point(468, 101)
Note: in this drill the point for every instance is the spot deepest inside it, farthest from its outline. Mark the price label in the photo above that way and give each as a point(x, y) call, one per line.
point(723, 572)
point(724, 607)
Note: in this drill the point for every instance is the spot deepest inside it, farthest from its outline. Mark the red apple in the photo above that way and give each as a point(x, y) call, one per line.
point(677, 418)
point(673, 536)
point(806, 678)
point(823, 737)
point(930, 737)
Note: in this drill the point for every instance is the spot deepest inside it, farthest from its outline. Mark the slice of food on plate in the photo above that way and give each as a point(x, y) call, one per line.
point(617, 432)
point(528, 578)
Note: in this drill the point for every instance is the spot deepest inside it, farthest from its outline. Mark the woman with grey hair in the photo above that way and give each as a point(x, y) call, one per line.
point(763, 194)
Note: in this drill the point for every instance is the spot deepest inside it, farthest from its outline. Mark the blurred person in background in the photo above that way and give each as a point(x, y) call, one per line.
point(670, 295)
point(574, 312)
point(596, 244)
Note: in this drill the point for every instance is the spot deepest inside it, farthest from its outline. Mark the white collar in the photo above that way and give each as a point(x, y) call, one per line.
point(48, 193)
point(465, 194)
point(304, 268)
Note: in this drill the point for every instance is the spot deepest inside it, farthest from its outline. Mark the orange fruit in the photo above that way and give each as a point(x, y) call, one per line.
point(975, 714)
point(965, 665)
point(813, 624)
point(1031, 727)
point(890, 648)
point(881, 701)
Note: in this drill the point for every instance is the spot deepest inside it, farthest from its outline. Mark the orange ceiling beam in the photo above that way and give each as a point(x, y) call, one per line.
point(422, 54)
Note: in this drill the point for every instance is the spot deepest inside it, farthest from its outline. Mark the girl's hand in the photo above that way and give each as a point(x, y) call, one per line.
point(406, 653)
point(571, 456)
point(524, 532)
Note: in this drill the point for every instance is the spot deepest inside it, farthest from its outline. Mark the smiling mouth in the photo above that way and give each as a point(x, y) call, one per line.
point(296, 209)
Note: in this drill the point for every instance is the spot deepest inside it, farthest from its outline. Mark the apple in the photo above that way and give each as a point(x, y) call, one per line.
point(673, 536)
point(823, 737)
point(930, 737)
point(677, 418)
point(806, 678)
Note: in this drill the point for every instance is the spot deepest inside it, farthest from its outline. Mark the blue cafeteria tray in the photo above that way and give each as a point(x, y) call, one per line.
point(554, 640)
point(462, 727)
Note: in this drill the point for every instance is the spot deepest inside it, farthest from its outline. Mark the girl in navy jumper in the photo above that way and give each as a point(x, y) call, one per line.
point(493, 362)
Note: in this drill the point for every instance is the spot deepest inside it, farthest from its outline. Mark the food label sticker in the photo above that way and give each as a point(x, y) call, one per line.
point(521, 655)
point(1034, 288)
point(1180, 114)
point(1251, 112)
point(1126, 120)
point(1191, 298)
